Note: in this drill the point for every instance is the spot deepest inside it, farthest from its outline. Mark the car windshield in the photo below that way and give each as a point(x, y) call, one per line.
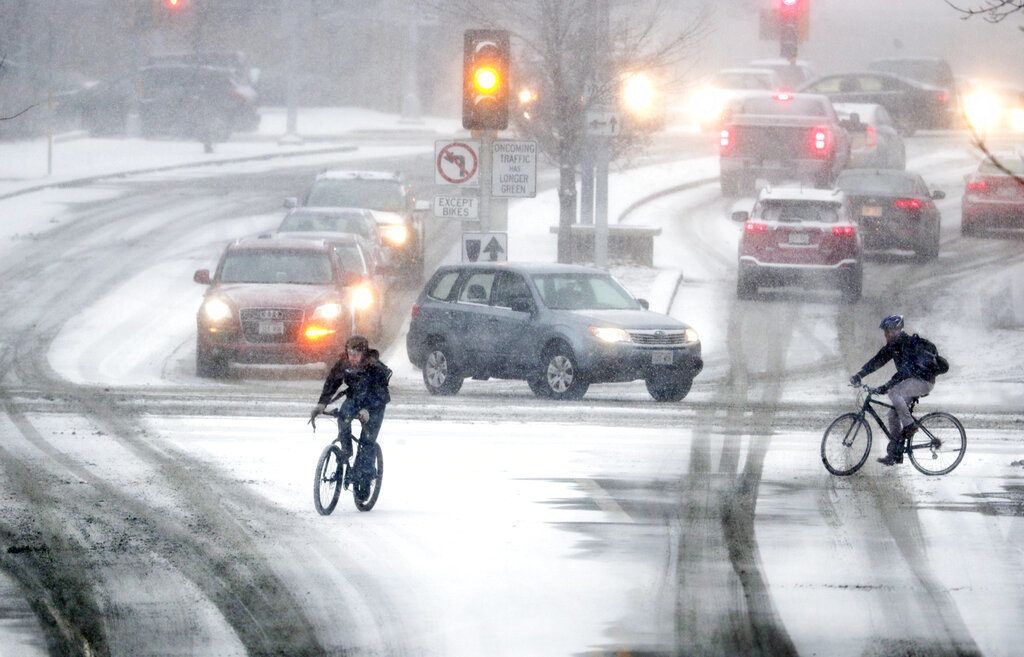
point(350, 258)
point(742, 80)
point(583, 292)
point(876, 183)
point(1015, 165)
point(793, 211)
point(303, 268)
point(790, 107)
point(357, 193)
point(342, 222)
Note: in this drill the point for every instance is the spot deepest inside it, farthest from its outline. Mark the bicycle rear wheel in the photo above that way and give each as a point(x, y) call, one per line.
point(939, 444)
point(370, 497)
point(846, 444)
point(327, 480)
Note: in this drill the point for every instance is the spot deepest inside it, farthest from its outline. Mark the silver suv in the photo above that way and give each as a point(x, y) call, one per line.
point(558, 327)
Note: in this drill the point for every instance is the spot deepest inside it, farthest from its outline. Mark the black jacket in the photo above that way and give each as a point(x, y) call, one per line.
point(367, 385)
point(901, 352)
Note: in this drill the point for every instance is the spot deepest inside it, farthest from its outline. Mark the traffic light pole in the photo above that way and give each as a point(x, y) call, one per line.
point(486, 153)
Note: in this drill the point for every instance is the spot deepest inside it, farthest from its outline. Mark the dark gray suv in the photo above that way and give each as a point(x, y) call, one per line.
point(558, 327)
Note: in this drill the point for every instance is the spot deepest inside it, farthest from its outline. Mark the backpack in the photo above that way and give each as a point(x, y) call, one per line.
point(926, 358)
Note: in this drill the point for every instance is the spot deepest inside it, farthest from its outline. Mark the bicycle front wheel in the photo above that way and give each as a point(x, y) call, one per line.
point(846, 444)
point(372, 492)
point(939, 444)
point(327, 480)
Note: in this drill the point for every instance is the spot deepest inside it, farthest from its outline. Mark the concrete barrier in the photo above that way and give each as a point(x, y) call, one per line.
point(626, 244)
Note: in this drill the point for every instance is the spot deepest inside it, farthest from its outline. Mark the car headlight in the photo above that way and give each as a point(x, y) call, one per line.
point(396, 234)
point(216, 310)
point(609, 334)
point(690, 336)
point(362, 297)
point(327, 311)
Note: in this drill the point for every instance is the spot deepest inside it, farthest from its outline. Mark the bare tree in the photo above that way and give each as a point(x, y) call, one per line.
point(994, 11)
point(561, 55)
point(3, 61)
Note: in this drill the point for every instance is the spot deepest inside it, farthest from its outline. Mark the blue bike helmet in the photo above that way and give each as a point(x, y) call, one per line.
point(892, 323)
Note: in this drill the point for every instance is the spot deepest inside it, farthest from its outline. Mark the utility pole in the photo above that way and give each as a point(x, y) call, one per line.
point(602, 155)
point(411, 111)
point(290, 23)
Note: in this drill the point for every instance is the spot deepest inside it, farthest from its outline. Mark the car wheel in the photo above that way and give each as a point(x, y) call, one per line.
point(209, 366)
point(562, 377)
point(668, 390)
point(439, 374)
point(851, 284)
point(968, 229)
point(746, 287)
point(539, 387)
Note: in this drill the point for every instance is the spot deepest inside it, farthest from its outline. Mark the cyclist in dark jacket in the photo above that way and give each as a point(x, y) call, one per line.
point(366, 380)
point(908, 382)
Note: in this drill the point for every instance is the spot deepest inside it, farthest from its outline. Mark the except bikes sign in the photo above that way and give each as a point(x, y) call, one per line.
point(457, 163)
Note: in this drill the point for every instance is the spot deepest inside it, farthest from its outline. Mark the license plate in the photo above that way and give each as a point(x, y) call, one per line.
point(661, 357)
point(271, 328)
point(871, 211)
point(799, 238)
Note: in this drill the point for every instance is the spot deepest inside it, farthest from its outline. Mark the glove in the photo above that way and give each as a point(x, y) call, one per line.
point(363, 415)
point(855, 380)
point(317, 410)
point(880, 390)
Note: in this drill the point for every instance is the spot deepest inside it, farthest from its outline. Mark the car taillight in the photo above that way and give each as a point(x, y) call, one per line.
point(415, 310)
point(820, 141)
point(977, 186)
point(872, 136)
point(727, 141)
point(843, 231)
point(907, 204)
point(943, 96)
point(783, 96)
point(755, 227)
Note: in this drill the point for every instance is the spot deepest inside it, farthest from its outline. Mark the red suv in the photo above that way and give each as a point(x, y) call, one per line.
point(994, 198)
point(799, 236)
point(273, 300)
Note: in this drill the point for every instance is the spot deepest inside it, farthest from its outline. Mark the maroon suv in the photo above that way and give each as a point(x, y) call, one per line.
point(799, 236)
point(273, 300)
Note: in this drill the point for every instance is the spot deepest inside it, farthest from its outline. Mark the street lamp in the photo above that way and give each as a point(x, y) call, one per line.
point(639, 94)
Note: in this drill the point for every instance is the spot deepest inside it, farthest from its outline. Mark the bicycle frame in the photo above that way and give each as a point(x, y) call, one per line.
point(868, 409)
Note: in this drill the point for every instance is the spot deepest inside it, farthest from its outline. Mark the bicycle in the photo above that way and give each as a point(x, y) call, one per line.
point(334, 473)
point(940, 439)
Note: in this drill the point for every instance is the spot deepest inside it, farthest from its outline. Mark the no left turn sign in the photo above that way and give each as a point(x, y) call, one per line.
point(457, 163)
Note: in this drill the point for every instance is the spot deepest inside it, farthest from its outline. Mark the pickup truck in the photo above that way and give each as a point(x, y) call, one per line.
point(780, 137)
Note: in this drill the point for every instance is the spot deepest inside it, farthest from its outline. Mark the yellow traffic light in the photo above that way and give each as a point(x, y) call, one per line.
point(486, 79)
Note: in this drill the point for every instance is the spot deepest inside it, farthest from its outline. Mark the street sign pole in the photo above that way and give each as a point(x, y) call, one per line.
point(486, 148)
point(587, 182)
point(601, 204)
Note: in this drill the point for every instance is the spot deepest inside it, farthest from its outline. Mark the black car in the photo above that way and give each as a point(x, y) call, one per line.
point(895, 209)
point(932, 71)
point(913, 105)
point(558, 327)
point(178, 100)
point(396, 210)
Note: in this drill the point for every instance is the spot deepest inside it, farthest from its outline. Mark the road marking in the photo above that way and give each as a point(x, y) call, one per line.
point(604, 500)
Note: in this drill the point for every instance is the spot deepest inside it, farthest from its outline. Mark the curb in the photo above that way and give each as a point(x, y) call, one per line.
point(88, 180)
point(668, 191)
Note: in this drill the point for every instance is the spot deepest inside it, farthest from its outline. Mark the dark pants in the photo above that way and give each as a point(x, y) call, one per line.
point(367, 437)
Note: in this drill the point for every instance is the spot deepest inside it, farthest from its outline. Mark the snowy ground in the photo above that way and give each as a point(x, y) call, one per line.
point(153, 513)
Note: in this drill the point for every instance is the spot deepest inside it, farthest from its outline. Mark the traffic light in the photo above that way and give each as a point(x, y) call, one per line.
point(785, 18)
point(485, 68)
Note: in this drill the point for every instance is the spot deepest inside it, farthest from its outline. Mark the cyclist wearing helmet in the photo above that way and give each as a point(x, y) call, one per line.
point(366, 380)
point(910, 381)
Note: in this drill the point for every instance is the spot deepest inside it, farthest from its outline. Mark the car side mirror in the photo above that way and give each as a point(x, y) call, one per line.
point(938, 195)
point(522, 305)
point(202, 276)
point(351, 278)
point(291, 202)
point(644, 303)
point(740, 216)
point(422, 206)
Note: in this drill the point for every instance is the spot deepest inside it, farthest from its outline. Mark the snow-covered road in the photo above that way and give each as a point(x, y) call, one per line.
point(148, 512)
